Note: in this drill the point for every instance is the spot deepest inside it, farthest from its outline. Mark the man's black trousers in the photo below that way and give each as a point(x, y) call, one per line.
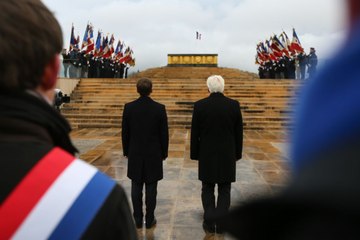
point(150, 200)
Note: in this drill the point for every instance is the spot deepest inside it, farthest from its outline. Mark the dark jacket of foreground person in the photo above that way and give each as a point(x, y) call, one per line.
point(145, 139)
point(45, 191)
point(29, 130)
point(323, 199)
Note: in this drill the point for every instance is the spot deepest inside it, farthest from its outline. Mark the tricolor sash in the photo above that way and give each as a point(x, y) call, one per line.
point(57, 199)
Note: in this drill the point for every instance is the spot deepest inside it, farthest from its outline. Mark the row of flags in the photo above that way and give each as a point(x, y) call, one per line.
point(277, 47)
point(102, 47)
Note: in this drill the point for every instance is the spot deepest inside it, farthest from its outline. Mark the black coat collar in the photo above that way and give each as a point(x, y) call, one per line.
point(33, 111)
point(216, 94)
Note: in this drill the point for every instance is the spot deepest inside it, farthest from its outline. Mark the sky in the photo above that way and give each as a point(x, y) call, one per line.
point(229, 28)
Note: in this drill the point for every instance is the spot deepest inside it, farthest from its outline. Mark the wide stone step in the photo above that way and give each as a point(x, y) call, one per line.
point(184, 86)
point(180, 82)
point(265, 104)
point(247, 126)
point(99, 113)
point(182, 104)
point(118, 119)
point(174, 97)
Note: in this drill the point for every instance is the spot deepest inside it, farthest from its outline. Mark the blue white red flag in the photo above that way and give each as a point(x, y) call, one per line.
point(127, 55)
point(286, 42)
point(73, 40)
point(109, 47)
point(98, 47)
point(111, 44)
point(272, 56)
point(90, 40)
point(104, 46)
point(260, 54)
point(118, 50)
point(276, 46)
point(84, 42)
point(295, 44)
point(77, 42)
point(198, 35)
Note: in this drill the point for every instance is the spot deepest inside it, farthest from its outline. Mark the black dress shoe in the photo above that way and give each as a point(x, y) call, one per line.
point(151, 224)
point(210, 228)
point(138, 224)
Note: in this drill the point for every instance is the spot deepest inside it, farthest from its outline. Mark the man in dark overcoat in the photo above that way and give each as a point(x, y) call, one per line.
point(145, 140)
point(216, 142)
point(302, 63)
point(312, 62)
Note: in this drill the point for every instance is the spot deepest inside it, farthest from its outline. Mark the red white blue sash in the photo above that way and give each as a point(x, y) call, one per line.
point(57, 199)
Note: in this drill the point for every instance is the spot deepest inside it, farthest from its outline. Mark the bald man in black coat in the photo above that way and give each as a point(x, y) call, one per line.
point(145, 141)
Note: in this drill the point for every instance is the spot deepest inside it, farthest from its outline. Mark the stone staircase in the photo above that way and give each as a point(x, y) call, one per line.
point(98, 103)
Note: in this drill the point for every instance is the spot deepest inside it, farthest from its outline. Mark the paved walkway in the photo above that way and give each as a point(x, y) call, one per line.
point(263, 170)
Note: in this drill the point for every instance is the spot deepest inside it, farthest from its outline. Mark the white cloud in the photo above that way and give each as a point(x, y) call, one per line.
point(231, 28)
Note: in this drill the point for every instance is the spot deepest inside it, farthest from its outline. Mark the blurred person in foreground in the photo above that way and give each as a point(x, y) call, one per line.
point(45, 192)
point(216, 143)
point(323, 198)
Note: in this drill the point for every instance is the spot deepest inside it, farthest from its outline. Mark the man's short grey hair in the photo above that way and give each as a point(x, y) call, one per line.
point(215, 83)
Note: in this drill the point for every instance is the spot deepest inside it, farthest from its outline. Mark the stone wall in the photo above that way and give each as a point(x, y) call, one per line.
point(67, 85)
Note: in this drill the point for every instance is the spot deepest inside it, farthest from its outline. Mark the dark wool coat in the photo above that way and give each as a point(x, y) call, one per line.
point(216, 138)
point(145, 139)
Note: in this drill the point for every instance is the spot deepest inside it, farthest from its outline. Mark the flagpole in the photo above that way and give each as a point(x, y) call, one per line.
point(72, 30)
point(196, 44)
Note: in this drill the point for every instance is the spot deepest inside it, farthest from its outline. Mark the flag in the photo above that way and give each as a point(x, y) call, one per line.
point(111, 44)
point(263, 52)
point(284, 43)
point(198, 35)
point(119, 50)
point(263, 48)
point(73, 41)
point(260, 54)
point(132, 62)
point(98, 46)
point(272, 56)
point(84, 42)
point(257, 60)
point(277, 46)
point(287, 42)
point(77, 42)
point(104, 46)
point(109, 48)
point(90, 40)
point(105, 43)
point(295, 44)
point(118, 47)
point(125, 59)
point(127, 56)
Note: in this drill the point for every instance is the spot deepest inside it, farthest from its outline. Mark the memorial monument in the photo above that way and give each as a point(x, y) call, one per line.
point(192, 60)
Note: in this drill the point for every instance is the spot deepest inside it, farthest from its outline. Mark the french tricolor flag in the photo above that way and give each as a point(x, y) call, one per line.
point(57, 199)
point(198, 35)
